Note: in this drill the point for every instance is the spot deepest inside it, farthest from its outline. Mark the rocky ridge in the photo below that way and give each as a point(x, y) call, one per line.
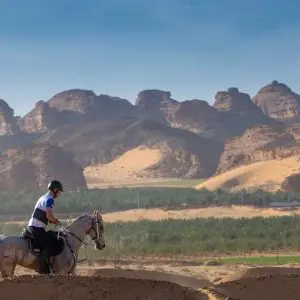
point(197, 138)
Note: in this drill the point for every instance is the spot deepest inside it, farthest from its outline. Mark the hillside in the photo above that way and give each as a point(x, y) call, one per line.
point(157, 137)
point(131, 166)
point(185, 154)
point(267, 175)
point(34, 166)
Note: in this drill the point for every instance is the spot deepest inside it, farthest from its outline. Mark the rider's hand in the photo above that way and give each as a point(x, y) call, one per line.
point(58, 223)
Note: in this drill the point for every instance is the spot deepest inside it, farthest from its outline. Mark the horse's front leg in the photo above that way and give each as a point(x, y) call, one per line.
point(7, 267)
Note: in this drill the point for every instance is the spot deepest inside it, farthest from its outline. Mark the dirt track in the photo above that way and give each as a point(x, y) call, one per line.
point(115, 284)
point(93, 288)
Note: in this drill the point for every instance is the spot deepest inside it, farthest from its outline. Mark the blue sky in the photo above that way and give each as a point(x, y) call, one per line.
point(191, 47)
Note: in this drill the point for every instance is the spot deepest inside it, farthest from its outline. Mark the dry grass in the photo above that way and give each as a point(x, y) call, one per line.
point(267, 175)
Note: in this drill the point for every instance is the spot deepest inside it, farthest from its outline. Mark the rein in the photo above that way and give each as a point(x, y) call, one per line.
point(64, 236)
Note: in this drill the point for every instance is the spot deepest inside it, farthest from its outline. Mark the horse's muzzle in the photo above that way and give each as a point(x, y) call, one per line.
point(100, 246)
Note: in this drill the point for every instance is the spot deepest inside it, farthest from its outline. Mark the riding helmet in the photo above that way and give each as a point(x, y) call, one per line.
point(55, 184)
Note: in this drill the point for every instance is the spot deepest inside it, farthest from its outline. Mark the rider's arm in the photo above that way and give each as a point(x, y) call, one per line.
point(49, 213)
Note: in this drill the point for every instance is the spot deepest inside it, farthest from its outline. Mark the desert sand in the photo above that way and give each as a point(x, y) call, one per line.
point(267, 175)
point(124, 169)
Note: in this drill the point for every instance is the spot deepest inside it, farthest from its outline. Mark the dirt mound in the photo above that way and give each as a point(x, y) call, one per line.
point(267, 175)
point(262, 271)
point(267, 287)
point(185, 281)
point(78, 288)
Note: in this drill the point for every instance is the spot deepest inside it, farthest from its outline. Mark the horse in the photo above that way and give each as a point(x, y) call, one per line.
point(24, 250)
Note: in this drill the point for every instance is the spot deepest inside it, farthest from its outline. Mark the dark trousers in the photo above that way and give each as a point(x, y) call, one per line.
point(42, 236)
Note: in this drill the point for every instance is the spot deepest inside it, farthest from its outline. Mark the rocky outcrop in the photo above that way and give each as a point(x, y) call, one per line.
point(155, 105)
point(238, 103)
point(256, 144)
point(278, 101)
point(41, 118)
point(199, 117)
point(8, 123)
point(187, 154)
point(34, 166)
point(291, 183)
point(86, 103)
point(75, 100)
point(232, 114)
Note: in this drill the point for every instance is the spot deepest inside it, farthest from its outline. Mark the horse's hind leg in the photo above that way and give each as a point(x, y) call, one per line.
point(7, 267)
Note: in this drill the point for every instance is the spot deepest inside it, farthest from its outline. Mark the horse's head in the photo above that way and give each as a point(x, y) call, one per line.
point(96, 231)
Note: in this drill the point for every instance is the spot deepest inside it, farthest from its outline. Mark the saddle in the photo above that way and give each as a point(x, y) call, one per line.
point(36, 248)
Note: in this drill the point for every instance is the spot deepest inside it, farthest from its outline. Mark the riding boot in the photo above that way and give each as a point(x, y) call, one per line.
point(45, 262)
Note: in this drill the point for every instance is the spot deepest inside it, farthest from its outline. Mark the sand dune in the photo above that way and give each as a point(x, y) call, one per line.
point(125, 168)
point(267, 175)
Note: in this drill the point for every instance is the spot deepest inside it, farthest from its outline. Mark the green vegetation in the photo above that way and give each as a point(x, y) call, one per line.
point(196, 237)
point(117, 199)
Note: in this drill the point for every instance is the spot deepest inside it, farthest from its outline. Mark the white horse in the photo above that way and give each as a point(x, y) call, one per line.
point(21, 250)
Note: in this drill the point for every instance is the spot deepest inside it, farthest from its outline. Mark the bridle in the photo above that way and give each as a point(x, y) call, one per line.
point(96, 226)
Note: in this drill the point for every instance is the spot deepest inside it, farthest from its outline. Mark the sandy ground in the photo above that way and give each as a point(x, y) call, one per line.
point(267, 175)
point(124, 169)
point(170, 282)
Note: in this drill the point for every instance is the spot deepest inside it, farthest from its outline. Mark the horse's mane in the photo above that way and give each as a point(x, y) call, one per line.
point(79, 218)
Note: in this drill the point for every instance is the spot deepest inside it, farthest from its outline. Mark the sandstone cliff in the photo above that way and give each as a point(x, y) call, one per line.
point(232, 113)
point(278, 101)
point(34, 166)
point(8, 123)
point(85, 102)
point(259, 143)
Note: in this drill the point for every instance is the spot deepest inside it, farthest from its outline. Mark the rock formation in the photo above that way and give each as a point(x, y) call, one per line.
point(187, 154)
point(291, 183)
point(34, 166)
point(278, 101)
point(256, 144)
point(8, 123)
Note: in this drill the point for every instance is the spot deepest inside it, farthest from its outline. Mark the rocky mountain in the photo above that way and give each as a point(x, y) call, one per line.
point(279, 102)
point(259, 143)
point(34, 166)
point(186, 154)
point(196, 139)
point(232, 113)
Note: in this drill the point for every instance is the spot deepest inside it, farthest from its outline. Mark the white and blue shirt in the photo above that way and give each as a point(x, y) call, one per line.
point(38, 217)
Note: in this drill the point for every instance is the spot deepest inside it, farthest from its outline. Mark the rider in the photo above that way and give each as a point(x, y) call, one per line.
point(41, 216)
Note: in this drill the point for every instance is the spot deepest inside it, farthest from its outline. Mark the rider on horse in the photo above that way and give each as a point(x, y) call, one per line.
point(41, 216)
